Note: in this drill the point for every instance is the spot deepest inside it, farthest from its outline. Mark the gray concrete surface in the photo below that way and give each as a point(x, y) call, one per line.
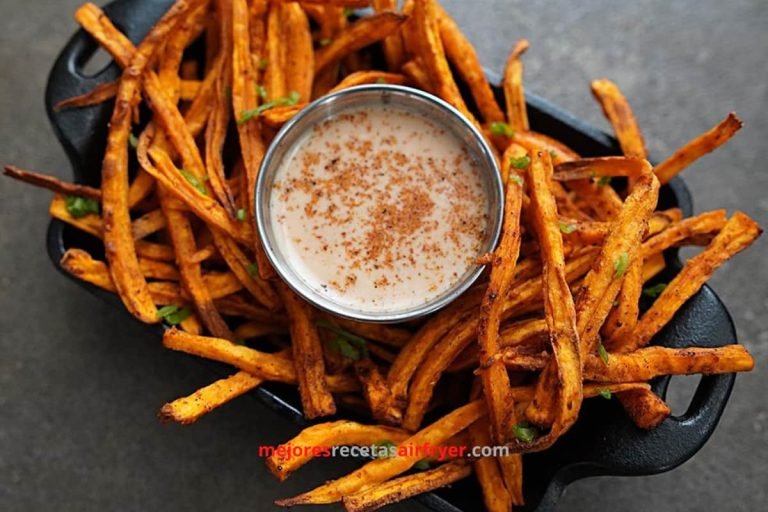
point(80, 383)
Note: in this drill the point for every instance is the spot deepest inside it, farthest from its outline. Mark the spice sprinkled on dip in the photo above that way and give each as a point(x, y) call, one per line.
point(379, 209)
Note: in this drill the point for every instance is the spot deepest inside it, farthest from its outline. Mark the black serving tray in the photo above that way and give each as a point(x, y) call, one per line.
point(603, 442)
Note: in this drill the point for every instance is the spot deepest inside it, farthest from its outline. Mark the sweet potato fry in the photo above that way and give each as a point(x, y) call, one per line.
point(380, 470)
point(299, 60)
point(644, 407)
point(405, 487)
point(147, 224)
point(118, 242)
point(496, 497)
point(256, 329)
point(278, 116)
point(463, 56)
point(316, 398)
point(430, 50)
point(414, 70)
point(647, 363)
point(618, 112)
point(707, 223)
point(494, 376)
point(325, 435)
point(191, 408)
point(97, 24)
point(272, 367)
point(99, 94)
point(738, 234)
point(512, 83)
point(376, 393)
point(386, 334)
point(369, 77)
point(51, 183)
point(607, 166)
point(698, 147)
point(358, 35)
point(392, 45)
point(560, 312)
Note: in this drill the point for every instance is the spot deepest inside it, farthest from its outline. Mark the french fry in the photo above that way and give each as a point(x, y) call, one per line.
point(496, 497)
point(325, 435)
point(380, 470)
point(463, 56)
point(358, 35)
point(376, 393)
point(316, 398)
point(618, 112)
point(737, 234)
point(698, 147)
point(414, 70)
point(405, 487)
point(147, 224)
point(257, 329)
point(585, 168)
point(512, 83)
point(707, 223)
point(386, 334)
point(191, 408)
point(644, 407)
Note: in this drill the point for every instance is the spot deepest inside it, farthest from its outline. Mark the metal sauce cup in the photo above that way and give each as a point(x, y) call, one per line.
point(416, 102)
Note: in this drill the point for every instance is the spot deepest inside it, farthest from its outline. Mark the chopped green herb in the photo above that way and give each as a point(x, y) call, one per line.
point(263, 63)
point(348, 11)
point(605, 393)
point(655, 290)
point(173, 315)
point(423, 464)
point(241, 214)
point(517, 179)
point(380, 81)
point(552, 154)
point(133, 140)
point(521, 162)
point(620, 265)
point(287, 101)
point(502, 129)
point(525, 432)
point(603, 181)
point(81, 206)
point(602, 353)
point(345, 343)
point(384, 449)
point(192, 179)
point(253, 270)
point(261, 91)
point(324, 41)
point(567, 228)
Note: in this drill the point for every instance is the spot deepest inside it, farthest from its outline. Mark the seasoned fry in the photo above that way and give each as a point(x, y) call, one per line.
point(358, 35)
point(405, 487)
point(429, 48)
point(496, 497)
point(698, 147)
point(738, 234)
point(316, 398)
point(299, 61)
point(376, 392)
point(560, 312)
point(336, 433)
point(644, 407)
point(118, 242)
point(517, 113)
point(586, 168)
point(394, 52)
point(414, 70)
point(97, 24)
point(99, 94)
point(463, 56)
point(382, 469)
point(369, 77)
point(620, 115)
point(494, 376)
point(51, 183)
point(190, 408)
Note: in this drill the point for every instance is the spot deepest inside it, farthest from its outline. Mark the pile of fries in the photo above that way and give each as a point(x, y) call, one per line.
point(553, 321)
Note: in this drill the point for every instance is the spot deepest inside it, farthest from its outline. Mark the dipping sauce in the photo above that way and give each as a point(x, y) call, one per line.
point(379, 209)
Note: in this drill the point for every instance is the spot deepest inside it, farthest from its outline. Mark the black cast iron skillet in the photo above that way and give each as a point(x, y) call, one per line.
point(603, 442)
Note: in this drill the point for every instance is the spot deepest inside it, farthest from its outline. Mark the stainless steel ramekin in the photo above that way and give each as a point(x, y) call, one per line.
point(417, 102)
